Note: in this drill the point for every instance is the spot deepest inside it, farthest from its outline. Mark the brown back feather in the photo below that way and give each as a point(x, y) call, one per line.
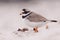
point(33, 17)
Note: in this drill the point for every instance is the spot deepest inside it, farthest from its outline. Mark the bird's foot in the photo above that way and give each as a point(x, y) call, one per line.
point(35, 29)
point(46, 26)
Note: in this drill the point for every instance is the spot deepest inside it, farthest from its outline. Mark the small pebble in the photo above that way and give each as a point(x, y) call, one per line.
point(24, 29)
point(19, 29)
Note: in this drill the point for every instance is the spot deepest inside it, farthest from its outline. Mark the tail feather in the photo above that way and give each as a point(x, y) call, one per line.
point(53, 20)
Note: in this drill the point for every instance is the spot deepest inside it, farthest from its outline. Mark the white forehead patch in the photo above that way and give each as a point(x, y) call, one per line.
point(25, 14)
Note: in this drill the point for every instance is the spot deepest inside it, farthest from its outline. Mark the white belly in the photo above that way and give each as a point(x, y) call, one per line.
point(33, 24)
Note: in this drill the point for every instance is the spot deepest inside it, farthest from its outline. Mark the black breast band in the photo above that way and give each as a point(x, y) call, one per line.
point(26, 15)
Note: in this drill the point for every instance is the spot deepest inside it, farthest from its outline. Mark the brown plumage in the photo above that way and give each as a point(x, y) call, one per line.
point(33, 17)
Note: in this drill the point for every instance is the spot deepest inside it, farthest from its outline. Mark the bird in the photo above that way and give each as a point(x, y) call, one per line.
point(34, 20)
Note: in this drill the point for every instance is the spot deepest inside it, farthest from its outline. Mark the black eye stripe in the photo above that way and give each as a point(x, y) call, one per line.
point(26, 12)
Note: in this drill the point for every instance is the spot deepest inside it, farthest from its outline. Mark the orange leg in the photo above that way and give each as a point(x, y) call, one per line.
point(35, 29)
point(46, 26)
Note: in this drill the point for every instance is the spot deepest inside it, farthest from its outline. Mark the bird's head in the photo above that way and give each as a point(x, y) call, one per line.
point(24, 13)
